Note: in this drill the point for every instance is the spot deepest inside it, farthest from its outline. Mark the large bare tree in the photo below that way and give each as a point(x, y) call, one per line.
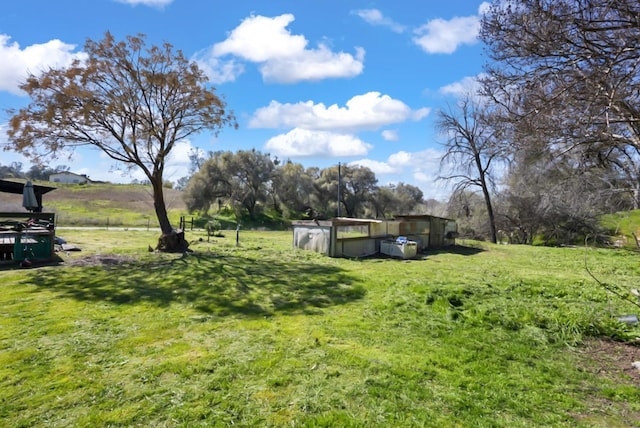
point(131, 102)
point(471, 150)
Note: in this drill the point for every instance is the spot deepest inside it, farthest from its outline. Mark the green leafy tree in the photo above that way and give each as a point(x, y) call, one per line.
point(241, 177)
point(357, 186)
point(14, 170)
point(384, 201)
point(293, 186)
point(398, 198)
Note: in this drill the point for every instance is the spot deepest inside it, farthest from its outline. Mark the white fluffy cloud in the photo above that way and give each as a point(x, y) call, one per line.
point(390, 135)
point(305, 143)
point(400, 159)
point(313, 65)
point(327, 131)
point(218, 71)
point(17, 63)
point(420, 167)
point(426, 159)
point(467, 86)
point(375, 166)
point(260, 39)
point(445, 36)
point(375, 17)
point(282, 57)
point(425, 162)
point(368, 111)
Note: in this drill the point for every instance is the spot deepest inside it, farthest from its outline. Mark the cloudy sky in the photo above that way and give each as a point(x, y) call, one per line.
point(317, 82)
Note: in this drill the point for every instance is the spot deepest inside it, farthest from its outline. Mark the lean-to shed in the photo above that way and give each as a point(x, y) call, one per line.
point(352, 237)
point(429, 231)
point(339, 237)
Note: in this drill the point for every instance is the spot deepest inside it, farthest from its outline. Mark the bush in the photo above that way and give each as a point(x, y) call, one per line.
point(212, 227)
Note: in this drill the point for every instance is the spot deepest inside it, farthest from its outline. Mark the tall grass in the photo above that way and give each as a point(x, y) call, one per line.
point(261, 334)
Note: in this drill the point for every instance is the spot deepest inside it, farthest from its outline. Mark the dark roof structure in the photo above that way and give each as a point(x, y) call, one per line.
point(16, 187)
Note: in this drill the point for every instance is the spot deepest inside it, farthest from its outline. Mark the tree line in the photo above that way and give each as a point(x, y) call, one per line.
point(35, 172)
point(249, 181)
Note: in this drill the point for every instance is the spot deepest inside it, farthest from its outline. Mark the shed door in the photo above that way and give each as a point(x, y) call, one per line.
point(436, 236)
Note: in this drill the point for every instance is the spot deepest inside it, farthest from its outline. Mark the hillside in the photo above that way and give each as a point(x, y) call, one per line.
point(623, 226)
point(101, 204)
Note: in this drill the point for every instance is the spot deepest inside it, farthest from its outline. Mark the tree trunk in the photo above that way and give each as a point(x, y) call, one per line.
point(490, 214)
point(171, 241)
point(160, 207)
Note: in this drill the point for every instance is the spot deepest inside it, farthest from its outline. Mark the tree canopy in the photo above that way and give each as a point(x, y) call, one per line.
point(572, 64)
point(250, 181)
point(132, 102)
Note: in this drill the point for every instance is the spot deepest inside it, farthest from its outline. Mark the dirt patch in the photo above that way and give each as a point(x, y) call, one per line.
point(614, 360)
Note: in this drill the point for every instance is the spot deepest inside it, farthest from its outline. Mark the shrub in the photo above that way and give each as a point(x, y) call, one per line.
point(212, 227)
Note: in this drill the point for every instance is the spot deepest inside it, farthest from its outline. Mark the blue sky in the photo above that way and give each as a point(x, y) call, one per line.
point(317, 82)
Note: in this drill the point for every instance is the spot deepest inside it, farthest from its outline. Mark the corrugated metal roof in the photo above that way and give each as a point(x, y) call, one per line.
point(337, 221)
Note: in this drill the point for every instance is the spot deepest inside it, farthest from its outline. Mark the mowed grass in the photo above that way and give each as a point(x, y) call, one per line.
point(261, 334)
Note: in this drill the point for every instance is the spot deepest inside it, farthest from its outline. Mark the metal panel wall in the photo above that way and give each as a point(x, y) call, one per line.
point(312, 238)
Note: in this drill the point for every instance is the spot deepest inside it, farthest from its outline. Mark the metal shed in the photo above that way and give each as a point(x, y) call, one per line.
point(352, 237)
point(429, 231)
point(339, 237)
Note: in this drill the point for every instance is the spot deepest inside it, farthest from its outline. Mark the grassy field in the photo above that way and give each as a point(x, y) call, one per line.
point(261, 334)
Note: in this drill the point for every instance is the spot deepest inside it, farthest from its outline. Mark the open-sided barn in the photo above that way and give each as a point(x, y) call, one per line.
point(402, 236)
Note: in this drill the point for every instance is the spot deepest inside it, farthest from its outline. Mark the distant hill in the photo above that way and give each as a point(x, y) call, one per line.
point(97, 204)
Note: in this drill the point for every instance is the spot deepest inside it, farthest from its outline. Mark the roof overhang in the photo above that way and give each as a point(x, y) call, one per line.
point(17, 187)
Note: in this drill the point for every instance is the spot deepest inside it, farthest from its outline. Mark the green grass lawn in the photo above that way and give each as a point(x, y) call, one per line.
point(264, 335)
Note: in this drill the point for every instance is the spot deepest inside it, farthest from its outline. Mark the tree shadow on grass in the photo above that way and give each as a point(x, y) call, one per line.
point(425, 254)
point(6, 265)
point(219, 285)
point(454, 249)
